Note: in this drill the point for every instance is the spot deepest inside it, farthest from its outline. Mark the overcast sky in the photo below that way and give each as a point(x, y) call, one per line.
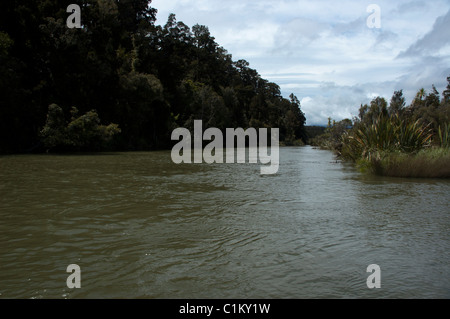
point(324, 52)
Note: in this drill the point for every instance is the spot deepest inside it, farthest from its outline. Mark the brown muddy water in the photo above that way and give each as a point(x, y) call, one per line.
point(140, 226)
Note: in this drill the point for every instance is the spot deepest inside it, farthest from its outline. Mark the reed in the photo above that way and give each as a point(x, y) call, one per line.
point(427, 163)
point(444, 136)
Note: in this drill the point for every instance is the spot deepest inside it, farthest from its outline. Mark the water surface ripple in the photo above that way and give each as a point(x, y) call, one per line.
point(140, 226)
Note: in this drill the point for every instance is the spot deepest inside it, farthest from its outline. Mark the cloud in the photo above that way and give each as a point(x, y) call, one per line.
point(410, 6)
point(297, 34)
point(433, 70)
point(351, 28)
point(324, 53)
point(435, 40)
point(341, 101)
point(386, 40)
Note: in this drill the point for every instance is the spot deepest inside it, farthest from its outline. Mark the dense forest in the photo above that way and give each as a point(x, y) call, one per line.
point(396, 139)
point(120, 82)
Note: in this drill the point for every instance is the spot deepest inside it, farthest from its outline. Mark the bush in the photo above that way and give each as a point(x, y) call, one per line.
point(81, 133)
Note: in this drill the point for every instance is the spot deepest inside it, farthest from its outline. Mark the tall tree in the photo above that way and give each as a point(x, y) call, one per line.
point(446, 93)
point(148, 79)
point(397, 103)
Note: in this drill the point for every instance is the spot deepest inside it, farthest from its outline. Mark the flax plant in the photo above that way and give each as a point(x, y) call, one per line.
point(384, 135)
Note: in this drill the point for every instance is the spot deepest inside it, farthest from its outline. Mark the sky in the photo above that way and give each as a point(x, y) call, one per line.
point(329, 53)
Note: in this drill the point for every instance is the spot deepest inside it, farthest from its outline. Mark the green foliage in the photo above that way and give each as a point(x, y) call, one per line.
point(444, 136)
point(429, 109)
point(331, 138)
point(369, 114)
point(54, 133)
point(314, 131)
point(401, 141)
point(81, 133)
point(446, 93)
point(386, 134)
point(5, 43)
point(397, 104)
point(132, 72)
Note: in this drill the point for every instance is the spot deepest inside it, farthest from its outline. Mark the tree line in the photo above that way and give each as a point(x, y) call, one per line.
point(121, 82)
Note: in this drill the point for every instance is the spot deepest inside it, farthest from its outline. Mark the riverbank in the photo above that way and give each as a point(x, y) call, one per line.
point(428, 163)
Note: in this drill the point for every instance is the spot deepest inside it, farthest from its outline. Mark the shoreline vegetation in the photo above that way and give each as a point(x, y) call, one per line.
point(395, 140)
point(123, 83)
point(59, 85)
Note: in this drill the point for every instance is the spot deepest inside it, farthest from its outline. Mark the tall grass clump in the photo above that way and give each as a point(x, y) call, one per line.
point(394, 147)
point(429, 163)
point(385, 135)
point(444, 136)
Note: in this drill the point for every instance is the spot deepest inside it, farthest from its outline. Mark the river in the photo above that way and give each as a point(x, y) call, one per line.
point(140, 226)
